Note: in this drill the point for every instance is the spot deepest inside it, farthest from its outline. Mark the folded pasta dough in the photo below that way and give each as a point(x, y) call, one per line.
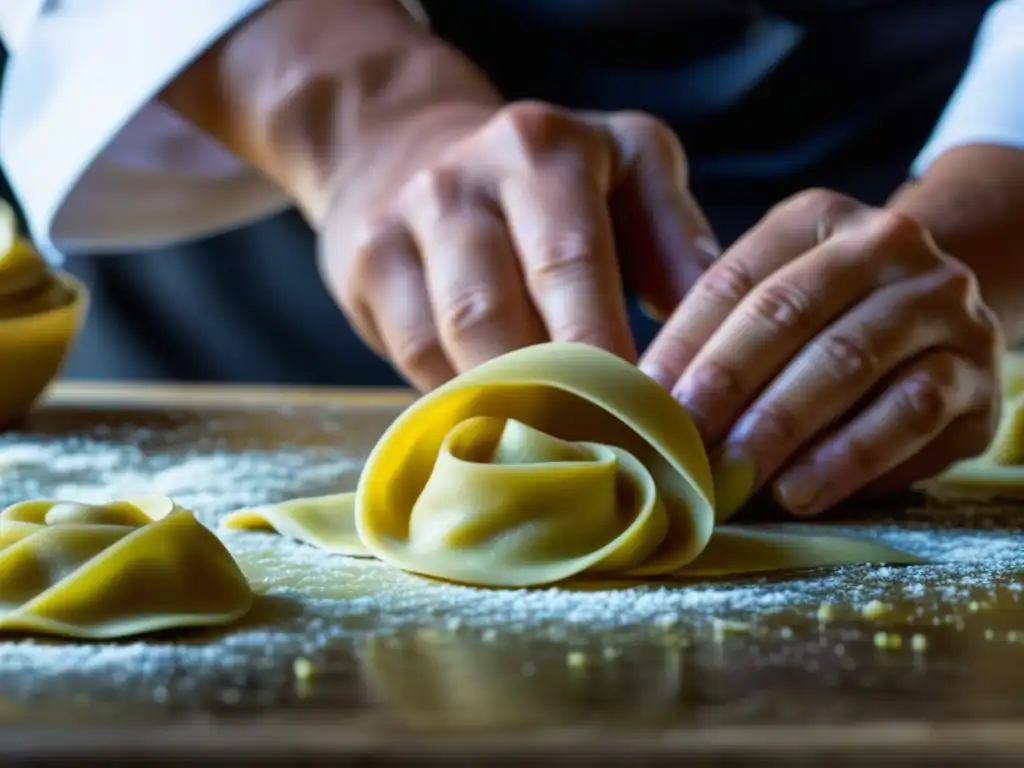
point(546, 463)
point(114, 570)
point(999, 471)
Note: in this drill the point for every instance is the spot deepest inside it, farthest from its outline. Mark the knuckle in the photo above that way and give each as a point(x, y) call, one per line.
point(988, 342)
point(579, 332)
point(370, 257)
point(776, 422)
point(414, 351)
point(864, 459)
point(435, 190)
point(649, 129)
point(820, 203)
point(921, 400)
point(561, 261)
point(674, 347)
point(892, 229)
point(727, 282)
point(470, 310)
point(781, 307)
point(534, 126)
point(844, 356)
point(959, 283)
point(648, 140)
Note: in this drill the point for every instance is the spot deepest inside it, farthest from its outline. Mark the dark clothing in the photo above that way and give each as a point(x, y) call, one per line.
point(768, 98)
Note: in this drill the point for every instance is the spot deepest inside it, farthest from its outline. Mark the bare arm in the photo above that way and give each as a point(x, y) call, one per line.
point(321, 92)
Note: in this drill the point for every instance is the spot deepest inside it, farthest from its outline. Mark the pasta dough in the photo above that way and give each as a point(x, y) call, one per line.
point(40, 312)
point(999, 471)
point(124, 568)
point(546, 463)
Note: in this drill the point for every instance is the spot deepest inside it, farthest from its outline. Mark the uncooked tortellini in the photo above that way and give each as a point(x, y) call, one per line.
point(549, 462)
point(119, 569)
point(999, 471)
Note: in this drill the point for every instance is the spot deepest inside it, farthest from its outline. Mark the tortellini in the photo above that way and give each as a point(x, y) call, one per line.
point(550, 462)
point(40, 313)
point(108, 571)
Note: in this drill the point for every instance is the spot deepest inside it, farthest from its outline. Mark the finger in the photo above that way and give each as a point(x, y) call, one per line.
point(793, 228)
point(397, 300)
point(664, 239)
point(781, 315)
point(481, 308)
point(966, 437)
point(926, 397)
point(342, 264)
point(561, 227)
point(843, 364)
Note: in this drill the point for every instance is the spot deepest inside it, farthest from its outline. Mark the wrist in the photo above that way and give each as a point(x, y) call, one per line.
point(971, 200)
point(310, 91)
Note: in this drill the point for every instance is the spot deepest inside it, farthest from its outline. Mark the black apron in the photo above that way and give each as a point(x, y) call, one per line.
point(854, 93)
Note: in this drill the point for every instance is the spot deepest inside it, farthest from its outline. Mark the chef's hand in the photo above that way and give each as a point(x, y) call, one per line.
point(834, 348)
point(514, 233)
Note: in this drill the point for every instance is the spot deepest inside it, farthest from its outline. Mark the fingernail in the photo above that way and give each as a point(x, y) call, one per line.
point(799, 488)
point(735, 477)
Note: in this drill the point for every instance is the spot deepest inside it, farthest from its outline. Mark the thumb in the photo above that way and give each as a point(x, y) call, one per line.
point(663, 238)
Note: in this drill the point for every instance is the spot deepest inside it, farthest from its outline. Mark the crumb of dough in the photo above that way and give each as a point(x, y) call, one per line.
point(304, 669)
point(888, 641)
point(576, 659)
point(826, 612)
point(720, 629)
point(875, 610)
point(919, 643)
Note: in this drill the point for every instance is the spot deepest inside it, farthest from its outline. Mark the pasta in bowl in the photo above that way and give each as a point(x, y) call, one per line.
point(40, 313)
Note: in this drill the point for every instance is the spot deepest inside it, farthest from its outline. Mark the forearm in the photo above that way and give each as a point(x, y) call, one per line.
point(972, 200)
point(322, 92)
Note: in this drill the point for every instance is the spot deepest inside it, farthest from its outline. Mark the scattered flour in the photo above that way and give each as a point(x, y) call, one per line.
point(313, 601)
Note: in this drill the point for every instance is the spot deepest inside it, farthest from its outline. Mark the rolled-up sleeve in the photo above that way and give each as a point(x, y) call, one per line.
point(987, 106)
point(95, 161)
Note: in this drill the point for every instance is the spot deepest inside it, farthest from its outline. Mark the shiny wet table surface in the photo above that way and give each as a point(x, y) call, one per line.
point(937, 679)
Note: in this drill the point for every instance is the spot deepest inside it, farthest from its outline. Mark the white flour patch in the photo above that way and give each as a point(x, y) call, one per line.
point(315, 599)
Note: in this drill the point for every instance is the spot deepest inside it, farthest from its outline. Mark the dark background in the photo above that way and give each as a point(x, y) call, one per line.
point(249, 306)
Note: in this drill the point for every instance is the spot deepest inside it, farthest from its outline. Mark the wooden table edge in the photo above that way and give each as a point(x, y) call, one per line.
point(272, 738)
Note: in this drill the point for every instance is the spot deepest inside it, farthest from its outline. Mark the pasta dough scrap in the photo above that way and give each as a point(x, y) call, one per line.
point(124, 568)
point(325, 522)
point(999, 471)
point(549, 462)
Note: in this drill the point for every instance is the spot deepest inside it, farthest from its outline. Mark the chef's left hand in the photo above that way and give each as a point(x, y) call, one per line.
point(834, 348)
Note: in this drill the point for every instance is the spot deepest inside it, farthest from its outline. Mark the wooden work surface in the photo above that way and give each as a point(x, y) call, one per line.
point(787, 687)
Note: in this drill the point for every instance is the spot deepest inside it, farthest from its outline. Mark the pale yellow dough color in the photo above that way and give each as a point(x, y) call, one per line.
point(546, 463)
point(124, 568)
point(999, 471)
point(40, 313)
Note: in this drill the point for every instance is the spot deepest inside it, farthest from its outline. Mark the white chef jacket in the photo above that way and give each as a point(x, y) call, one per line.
point(98, 164)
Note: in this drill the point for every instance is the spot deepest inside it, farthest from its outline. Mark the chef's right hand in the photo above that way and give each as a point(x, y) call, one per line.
point(514, 233)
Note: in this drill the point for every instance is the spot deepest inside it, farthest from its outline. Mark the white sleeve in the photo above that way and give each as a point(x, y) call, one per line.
point(95, 162)
point(988, 104)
